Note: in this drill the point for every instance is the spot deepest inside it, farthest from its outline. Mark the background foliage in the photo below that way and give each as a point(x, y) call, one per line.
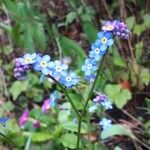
point(67, 28)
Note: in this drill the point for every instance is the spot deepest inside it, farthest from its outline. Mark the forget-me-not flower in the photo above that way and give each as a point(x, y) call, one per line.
point(58, 68)
point(95, 52)
point(69, 79)
point(109, 26)
point(105, 123)
point(28, 59)
point(42, 64)
point(89, 66)
point(104, 41)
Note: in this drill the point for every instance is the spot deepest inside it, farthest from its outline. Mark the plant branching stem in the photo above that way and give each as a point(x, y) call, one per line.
point(93, 85)
point(67, 95)
point(87, 100)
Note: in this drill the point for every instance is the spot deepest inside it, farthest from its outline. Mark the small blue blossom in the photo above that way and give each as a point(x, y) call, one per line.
point(28, 59)
point(95, 53)
point(42, 64)
point(103, 100)
point(104, 41)
point(93, 108)
point(90, 77)
point(69, 79)
point(105, 123)
point(58, 68)
point(89, 67)
point(107, 104)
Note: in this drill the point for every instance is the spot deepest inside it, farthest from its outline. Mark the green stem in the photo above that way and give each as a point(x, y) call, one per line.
point(79, 132)
point(89, 130)
point(87, 100)
point(93, 85)
point(67, 95)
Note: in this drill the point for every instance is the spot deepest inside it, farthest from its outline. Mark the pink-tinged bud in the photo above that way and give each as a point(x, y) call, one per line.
point(46, 106)
point(24, 118)
point(36, 124)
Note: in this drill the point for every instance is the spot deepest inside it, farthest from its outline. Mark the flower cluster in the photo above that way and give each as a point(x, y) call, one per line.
point(56, 68)
point(118, 28)
point(20, 70)
point(98, 49)
point(103, 100)
point(103, 42)
point(51, 102)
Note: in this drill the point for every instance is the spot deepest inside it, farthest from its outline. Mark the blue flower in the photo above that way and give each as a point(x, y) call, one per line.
point(105, 123)
point(107, 104)
point(42, 64)
point(28, 59)
point(104, 40)
point(89, 67)
point(95, 53)
point(53, 98)
point(90, 77)
point(93, 108)
point(58, 68)
point(103, 100)
point(69, 79)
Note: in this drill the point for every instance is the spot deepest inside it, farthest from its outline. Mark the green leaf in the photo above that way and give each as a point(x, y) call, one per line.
point(70, 17)
point(39, 35)
point(69, 47)
point(130, 22)
point(8, 106)
point(90, 31)
point(148, 103)
point(138, 29)
point(63, 115)
point(39, 136)
point(138, 51)
point(77, 100)
point(72, 126)
point(115, 130)
point(69, 140)
point(146, 18)
point(145, 76)
point(17, 88)
point(118, 61)
point(117, 95)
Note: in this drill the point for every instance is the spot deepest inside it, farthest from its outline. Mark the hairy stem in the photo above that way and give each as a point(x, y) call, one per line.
point(87, 100)
point(79, 132)
point(93, 85)
point(66, 93)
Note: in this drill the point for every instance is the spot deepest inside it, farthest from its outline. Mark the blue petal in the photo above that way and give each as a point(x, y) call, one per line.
point(46, 58)
point(45, 71)
point(27, 55)
point(100, 35)
point(103, 47)
point(108, 35)
point(110, 42)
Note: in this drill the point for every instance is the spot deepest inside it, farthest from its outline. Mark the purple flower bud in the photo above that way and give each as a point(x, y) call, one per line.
point(24, 117)
point(46, 106)
point(36, 124)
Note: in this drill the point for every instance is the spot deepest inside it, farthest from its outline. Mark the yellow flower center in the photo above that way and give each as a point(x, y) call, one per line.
point(103, 40)
point(43, 63)
point(110, 27)
point(28, 60)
